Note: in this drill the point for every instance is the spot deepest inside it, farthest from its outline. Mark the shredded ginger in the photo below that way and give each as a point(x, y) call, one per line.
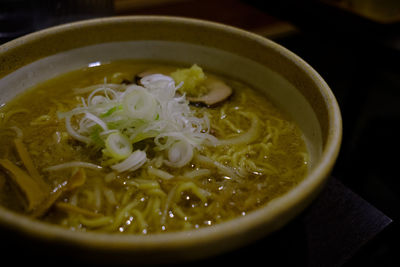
point(116, 117)
point(192, 79)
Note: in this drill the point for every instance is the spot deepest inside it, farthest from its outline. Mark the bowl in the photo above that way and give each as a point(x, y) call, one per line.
point(278, 73)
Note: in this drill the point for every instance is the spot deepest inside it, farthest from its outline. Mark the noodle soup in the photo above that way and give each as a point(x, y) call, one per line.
point(144, 148)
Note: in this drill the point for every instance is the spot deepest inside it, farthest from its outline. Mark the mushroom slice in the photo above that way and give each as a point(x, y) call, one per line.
point(218, 92)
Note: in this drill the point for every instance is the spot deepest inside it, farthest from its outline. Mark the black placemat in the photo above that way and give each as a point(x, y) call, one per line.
point(338, 224)
point(328, 233)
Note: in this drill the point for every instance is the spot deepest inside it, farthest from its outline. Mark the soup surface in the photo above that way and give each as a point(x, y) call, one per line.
point(118, 148)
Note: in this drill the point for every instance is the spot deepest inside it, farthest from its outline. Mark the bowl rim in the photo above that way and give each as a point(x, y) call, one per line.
point(170, 241)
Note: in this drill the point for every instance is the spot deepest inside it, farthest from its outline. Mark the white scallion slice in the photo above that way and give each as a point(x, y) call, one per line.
point(96, 120)
point(118, 146)
point(132, 163)
point(140, 104)
point(73, 164)
point(179, 154)
point(73, 133)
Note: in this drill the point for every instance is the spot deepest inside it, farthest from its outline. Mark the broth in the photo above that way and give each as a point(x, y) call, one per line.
point(258, 154)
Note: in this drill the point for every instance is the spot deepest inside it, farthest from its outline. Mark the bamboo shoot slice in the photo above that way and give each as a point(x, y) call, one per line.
point(29, 187)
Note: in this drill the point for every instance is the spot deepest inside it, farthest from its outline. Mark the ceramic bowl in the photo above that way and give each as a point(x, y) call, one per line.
point(278, 73)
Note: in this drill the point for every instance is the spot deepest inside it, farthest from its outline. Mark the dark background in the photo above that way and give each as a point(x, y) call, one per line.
point(356, 49)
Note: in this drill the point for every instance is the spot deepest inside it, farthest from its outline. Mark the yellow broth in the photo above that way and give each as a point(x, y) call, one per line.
point(140, 202)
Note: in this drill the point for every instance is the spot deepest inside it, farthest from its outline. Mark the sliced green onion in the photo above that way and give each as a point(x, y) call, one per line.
point(118, 146)
point(96, 138)
point(71, 131)
point(140, 104)
point(115, 117)
point(96, 120)
point(109, 112)
point(132, 163)
point(179, 154)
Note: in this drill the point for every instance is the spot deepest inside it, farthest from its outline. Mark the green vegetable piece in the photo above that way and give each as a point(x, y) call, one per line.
point(118, 146)
point(95, 136)
point(109, 112)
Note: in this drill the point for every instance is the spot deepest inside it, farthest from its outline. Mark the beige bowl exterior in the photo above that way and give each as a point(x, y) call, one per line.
point(204, 242)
